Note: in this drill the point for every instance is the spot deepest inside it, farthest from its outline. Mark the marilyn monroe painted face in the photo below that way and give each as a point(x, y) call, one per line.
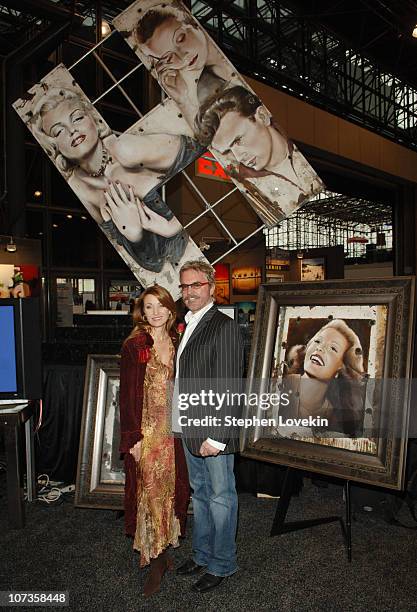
point(324, 354)
point(72, 129)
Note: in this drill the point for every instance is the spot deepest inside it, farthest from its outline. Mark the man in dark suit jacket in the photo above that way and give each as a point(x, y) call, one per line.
point(209, 358)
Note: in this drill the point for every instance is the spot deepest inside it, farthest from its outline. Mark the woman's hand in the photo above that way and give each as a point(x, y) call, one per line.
point(136, 451)
point(172, 81)
point(157, 224)
point(131, 216)
point(123, 210)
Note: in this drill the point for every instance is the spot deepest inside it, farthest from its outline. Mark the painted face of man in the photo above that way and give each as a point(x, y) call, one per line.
point(324, 354)
point(194, 296)
point(72, 128)
point(248, 139)
point(177, 45)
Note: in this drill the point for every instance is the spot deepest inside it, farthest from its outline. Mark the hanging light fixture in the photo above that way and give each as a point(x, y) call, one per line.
point(11, 246)
point(105, 28)
point(414, 34)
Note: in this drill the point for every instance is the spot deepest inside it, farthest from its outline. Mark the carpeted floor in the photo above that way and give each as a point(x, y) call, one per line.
point(85, 552)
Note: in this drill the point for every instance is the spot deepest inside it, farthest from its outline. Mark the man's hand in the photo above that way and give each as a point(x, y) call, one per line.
point(207, 450)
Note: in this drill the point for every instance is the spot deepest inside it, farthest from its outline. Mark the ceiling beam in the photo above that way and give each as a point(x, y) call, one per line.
point(41, 8)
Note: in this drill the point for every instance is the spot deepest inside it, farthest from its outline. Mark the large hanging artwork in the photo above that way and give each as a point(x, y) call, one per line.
point(221, 109)
point(117, 178)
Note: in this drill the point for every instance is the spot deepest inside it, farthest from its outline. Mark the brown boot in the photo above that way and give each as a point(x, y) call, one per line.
point(157, 569)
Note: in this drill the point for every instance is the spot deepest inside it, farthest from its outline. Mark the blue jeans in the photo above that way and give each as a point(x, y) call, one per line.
point(215, 512)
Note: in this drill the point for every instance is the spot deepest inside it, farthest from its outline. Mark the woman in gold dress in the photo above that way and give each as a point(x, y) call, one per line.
point(156, 489)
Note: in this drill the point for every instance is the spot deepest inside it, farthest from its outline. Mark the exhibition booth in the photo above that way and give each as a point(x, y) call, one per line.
point(165, 156)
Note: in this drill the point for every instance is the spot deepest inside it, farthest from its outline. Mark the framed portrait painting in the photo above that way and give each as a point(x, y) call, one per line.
point(330, 373)
point(100, 473)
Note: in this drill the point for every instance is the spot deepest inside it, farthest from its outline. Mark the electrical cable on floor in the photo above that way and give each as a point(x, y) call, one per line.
point(47, 493)
point(50, 492)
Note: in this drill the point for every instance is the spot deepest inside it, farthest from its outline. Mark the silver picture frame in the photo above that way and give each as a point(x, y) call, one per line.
point(100, 474)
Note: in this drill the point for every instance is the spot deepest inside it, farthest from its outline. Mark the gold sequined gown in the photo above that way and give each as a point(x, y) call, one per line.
point(157, 527)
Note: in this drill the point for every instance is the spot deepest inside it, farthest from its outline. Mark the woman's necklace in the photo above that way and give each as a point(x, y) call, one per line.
point(160, 339)
point(105, 160)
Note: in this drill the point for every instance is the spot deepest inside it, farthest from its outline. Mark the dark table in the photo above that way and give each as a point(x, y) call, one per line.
point(12, 417)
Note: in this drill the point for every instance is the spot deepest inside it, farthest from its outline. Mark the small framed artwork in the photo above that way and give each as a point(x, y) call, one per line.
point(229, 310)
point(100, 473)
point(246, 312)
point(313, 269)
point(275, 269)
point(330, 367)
point(246, 280)
point(222, 290)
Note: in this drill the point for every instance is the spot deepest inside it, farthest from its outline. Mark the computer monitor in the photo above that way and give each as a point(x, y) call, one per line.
point(20, 349)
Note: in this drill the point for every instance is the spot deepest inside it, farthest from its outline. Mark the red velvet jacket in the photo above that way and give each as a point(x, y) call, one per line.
point(135, 354)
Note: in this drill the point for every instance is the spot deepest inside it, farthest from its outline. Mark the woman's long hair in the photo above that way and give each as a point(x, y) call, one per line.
point(140, 323)
point(346, 392)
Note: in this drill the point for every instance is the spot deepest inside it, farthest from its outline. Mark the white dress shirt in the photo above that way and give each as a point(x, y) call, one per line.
point(192, 319)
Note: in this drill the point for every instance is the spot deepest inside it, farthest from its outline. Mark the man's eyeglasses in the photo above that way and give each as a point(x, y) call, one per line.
point(197, 286)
